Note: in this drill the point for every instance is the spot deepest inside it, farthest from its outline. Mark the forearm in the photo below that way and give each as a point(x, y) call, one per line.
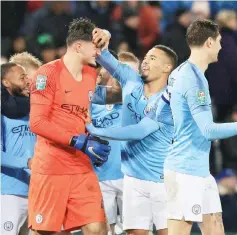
point(17, 163)
point(133, 132)
point(108, 61)
point(213, 131)
point(41, 125)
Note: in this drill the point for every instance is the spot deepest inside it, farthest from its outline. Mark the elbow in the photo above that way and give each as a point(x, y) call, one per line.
point(207, 134)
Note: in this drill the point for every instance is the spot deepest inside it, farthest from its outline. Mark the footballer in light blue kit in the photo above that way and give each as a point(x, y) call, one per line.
point(192, 192)
point(17, 149)
point(109, 116)
point(142, 161)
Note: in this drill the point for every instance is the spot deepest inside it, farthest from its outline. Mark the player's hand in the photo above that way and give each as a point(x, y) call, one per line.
point(97, 149)
point(101, 38)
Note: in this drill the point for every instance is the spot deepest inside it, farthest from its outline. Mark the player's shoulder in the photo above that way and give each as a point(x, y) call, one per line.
point(51, 67)
point(137, 91)
point(184, 76)
point(90, 72)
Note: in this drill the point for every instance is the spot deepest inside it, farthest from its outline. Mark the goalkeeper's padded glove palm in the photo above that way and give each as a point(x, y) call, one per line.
point(97, 149)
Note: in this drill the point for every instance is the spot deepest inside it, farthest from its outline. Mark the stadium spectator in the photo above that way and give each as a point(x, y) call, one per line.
point(174, 37)
point(229, 146)
point(227, 185)
point(222, 75)
point(140, 26)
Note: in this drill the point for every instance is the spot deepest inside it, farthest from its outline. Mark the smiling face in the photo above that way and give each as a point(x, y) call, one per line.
point(17, 82)
point(154, 65)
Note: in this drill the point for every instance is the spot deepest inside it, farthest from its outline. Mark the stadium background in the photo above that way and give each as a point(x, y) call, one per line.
point(40, 27)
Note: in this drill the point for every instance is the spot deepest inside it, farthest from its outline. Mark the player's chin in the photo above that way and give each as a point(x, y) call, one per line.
point(92, 63)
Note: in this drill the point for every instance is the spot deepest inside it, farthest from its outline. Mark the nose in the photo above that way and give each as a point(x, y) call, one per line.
point(28, 79)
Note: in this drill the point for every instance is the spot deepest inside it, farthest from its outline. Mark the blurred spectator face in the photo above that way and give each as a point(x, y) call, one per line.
point(232, 23)
point(88, 52)
point(214, 46)
point(234, 116)
point(19, 45)
point(48, 55)
point(227, 18)
point(185, 19)
point(201, 10)
point(102, 3)
point(16, 81)
point(153, 65)
point(59, 7)
point(123, 47)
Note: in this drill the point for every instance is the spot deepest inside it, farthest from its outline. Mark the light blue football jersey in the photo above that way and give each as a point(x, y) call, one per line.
point(124, 74)
point(144, 159)
point(189, 96)
point(108, 116)
point(17, 145)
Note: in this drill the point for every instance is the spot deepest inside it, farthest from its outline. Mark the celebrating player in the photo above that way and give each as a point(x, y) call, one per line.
point(192, 191)
point(104, 117)
point(142, 161)
point(17, 142)
point(19, 106)
point(64, 190)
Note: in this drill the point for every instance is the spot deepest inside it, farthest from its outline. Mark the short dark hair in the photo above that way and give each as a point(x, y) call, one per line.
point(200, 30)
point(170, 53)
point(80, 29)
point(5, 68)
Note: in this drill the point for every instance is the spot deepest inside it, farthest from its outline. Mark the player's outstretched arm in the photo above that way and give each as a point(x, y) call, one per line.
point(118, 70)
point(198, 99)
point(211, 130)
point(14, 106)
point(133, 132)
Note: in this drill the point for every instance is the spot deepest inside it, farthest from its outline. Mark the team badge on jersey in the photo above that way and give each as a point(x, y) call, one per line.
point(201, 97)
point(41, 82)
point(148, 109)
point(109, 107)
point(39, 218)
point(90, 95)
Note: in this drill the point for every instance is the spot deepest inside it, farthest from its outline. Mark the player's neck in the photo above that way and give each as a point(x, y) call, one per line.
point(154, 87)
point(199, 58)
point(73, 65)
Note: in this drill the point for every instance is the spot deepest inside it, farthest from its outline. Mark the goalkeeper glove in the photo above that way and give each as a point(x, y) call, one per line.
point(97, 149)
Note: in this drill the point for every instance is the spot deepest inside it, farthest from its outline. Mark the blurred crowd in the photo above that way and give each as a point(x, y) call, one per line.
point(40, 28)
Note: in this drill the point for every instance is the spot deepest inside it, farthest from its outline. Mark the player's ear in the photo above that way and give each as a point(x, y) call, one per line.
point(209, 42)
point(78, 46)
point(6, 83)
point(167, 68)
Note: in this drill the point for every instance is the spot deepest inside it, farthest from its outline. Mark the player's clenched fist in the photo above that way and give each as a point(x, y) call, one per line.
point(101, 38)
point(97, 149)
